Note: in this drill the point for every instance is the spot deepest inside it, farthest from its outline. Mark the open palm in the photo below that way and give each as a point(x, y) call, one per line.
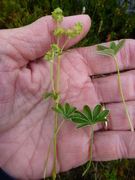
point(26, 119)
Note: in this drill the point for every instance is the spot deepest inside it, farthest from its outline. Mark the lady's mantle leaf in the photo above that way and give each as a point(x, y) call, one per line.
point(100, 47)
point(66, 112)
point(96, 111)
point(106, 52)
point(87, 118)
point(119, 46)
point(87, 112)
point(48, 95)
point(112, 45)
point(112, 51)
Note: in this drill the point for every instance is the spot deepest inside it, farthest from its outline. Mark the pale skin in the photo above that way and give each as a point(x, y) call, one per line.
point(26, 121)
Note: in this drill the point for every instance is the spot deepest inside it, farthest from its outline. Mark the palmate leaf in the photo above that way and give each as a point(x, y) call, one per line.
point(112, 51)
point(66, 112)
point(89, 119)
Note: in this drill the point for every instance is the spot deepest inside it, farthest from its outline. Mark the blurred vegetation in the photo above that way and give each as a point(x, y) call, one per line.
point(109, 22)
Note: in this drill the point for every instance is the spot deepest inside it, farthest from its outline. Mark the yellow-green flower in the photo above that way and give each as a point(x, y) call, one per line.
point(58, 32)
point(57, 15)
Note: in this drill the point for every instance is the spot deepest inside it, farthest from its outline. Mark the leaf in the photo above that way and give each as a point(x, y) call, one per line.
point(112, 45)
point(100, 47)
point(87, 112)
point(67, 107)
point(82, 125)
point(71, 111)
point(66, 113)
point(56, 110)
point(87, 118)
point(106, 52)
point(96, 111)
point(101, 120)
point(103, 114)
point(61, 108)
point(48, 95)
point(119, 46)
point(80, 120)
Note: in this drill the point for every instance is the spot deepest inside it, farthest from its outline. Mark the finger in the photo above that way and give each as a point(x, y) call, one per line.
point(108, 91)
point(117, 115)
point(112, 145)
point(33, 41)
point(98, 64)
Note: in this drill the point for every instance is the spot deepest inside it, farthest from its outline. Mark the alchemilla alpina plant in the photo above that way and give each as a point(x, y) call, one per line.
point(82, 119)
point(112, 51)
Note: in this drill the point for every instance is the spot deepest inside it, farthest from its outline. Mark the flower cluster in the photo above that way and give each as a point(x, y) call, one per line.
point(70, 33)
point(54, 52)
point(58, 32)
point(74, 33)
point(57, 15)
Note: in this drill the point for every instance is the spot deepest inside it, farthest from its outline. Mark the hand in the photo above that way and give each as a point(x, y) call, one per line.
point(26, 121)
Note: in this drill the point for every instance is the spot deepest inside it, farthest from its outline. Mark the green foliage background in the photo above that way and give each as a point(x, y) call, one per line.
point(117, 24)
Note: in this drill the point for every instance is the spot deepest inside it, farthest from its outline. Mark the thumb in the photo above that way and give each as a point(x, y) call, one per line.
point(33, 41)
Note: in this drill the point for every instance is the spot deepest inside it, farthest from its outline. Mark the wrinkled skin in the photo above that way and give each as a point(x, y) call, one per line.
point(26, 121)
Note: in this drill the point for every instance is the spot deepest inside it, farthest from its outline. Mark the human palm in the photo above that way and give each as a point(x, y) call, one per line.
point(26, 119)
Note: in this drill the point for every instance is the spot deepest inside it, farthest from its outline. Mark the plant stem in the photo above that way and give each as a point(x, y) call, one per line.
point(89, 163)
point(55, 142)
point(58, 73)
point(52, 78)
point(131, 126)
point(56, 117)
point(51, 146)
point(65, 44)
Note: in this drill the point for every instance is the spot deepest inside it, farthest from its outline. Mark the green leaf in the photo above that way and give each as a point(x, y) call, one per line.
point(96, 111)
point(80, 120)
point(100, 47)
point(87, 112)
point(56, 110)
point(82, 125)
point(106, 52)
point(48, 95)
point(71, 111)
point(119, 46)
point(103, 114)
point(61, 108)
point(80, 114)
point(66, 113)
point(112, 45)
point(87, 118)
point(67, 107)
point(100, 120)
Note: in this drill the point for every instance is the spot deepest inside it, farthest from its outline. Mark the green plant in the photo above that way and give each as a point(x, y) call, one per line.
point(82, 119)
point(112, 51)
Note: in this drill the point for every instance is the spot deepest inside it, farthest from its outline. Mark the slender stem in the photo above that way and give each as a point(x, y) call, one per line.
point(51, 146)
point(131, 126)
point(58, 74)
point(56, 117)
point(55, 142)
point(65, 44)
point(89, 163)
point(52, 78)
point(58, 40)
